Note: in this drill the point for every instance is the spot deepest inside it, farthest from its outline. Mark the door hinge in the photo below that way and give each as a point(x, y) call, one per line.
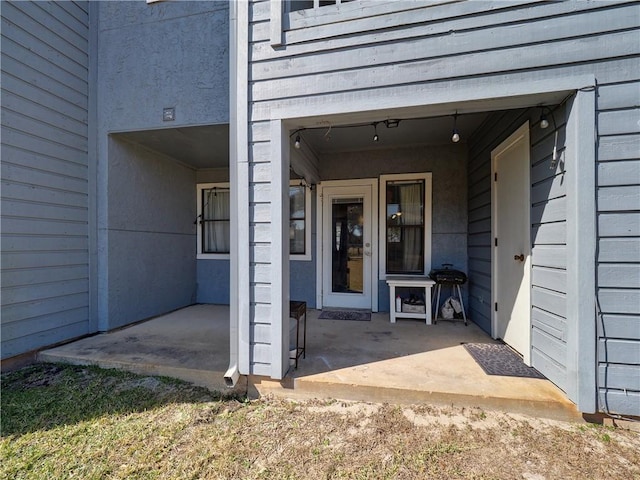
point(496, 306)
point(495, 241)
point(495, 177)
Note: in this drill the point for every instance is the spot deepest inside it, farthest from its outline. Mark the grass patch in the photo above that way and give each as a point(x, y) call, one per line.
point(45, 396)
point(68, 422)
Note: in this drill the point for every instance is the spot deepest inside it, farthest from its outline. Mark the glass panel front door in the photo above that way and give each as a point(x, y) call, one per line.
point(347, 245)
point(347, 249)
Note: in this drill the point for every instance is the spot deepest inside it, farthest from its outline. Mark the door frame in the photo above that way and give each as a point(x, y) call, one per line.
point(517, 135)
point(364, 182)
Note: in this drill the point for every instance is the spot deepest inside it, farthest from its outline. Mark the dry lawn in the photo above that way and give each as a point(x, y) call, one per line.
point(78, 422)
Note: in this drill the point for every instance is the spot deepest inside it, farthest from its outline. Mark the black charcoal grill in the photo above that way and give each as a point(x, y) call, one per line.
point(449, 277)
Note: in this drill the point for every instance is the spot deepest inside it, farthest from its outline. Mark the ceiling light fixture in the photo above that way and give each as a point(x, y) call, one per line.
point(544, 117)
point(455, 137)
point(392, 123)
point(544, 123)
point(297, 142)
point(375, 132)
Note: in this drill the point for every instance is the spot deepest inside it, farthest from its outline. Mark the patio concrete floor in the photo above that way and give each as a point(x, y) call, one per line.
point(377, 361)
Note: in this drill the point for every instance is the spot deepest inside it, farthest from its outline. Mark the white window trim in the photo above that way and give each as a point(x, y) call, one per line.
point(307, 225)
point(225, 256)
point(327, 14)
point(199, 254)
point(428, 205)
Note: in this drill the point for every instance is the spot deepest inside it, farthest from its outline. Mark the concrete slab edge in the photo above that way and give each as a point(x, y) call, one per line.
point(211, 380)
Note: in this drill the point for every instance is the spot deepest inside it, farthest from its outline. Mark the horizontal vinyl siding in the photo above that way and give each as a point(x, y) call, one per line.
point(548, 237)
point(497, 128)
point(44, 174)
point(435, 51)
point(548, 253)
point(618, 261)
point(453, 42)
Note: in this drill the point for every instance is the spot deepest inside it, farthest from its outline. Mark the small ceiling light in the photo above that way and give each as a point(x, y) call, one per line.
point(455, 138)
point(392, 123)
point(297, 142)
point(544, 123)
point(375, 132)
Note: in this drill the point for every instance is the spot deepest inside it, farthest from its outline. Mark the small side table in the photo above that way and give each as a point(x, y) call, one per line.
point(410, 282)
point(298, 311)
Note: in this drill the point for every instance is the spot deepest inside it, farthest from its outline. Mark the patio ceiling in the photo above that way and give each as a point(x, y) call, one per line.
point(200, 147)
point(419, 131)
point(414, 128)
point(207, 146)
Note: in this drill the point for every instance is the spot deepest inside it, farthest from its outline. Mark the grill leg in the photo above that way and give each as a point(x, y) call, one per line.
point(464, 315)
point(435, 317)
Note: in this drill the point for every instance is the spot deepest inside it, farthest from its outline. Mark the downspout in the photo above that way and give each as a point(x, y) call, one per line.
point(232, 374)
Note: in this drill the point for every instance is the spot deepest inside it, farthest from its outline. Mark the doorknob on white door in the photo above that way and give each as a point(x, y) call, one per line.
point(367, 253)
point(519, 257)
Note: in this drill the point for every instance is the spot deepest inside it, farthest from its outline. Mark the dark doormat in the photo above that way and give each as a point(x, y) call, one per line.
point(499, 359)
point(357, 315)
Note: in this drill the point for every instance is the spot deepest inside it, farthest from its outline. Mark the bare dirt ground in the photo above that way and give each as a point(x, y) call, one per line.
point(78, 422)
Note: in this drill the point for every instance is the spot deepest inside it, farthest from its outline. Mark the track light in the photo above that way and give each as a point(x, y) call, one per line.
point(544, 123)
point(375, 132)
point(544, 119)
point(455, 137)
point(297, 142)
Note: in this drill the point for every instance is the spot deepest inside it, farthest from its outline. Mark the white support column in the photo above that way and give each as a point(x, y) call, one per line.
point(279, 250)
point(582, 363)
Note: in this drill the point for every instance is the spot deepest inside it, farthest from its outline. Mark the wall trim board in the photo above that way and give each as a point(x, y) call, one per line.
point(93, 168)
point(496, 96)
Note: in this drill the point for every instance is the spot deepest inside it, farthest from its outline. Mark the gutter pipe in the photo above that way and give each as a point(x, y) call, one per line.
point(232, 374)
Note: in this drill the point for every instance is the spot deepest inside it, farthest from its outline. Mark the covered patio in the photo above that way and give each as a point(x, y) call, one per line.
point(405, 362)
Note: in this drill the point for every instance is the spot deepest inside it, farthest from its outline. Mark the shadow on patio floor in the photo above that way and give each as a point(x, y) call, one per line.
point(405, 362)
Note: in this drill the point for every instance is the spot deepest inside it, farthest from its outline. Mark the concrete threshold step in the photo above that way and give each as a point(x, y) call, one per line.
point(303, 388)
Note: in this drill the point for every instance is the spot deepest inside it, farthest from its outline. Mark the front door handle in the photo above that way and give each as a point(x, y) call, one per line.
point(519, 257)
point(367, 253)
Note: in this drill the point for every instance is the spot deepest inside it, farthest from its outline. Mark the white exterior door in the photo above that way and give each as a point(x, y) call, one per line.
point(512, 250)
point(347, 246)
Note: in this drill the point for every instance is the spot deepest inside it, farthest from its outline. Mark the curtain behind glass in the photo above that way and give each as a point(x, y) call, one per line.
point(216, 225)
point(297, 224)
point(411, 206)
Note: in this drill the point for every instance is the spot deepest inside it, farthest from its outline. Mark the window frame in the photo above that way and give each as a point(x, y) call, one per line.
point(428, 206)
point(287, 4)
point(226, 256)
point(199, 254)
point(307, 224)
